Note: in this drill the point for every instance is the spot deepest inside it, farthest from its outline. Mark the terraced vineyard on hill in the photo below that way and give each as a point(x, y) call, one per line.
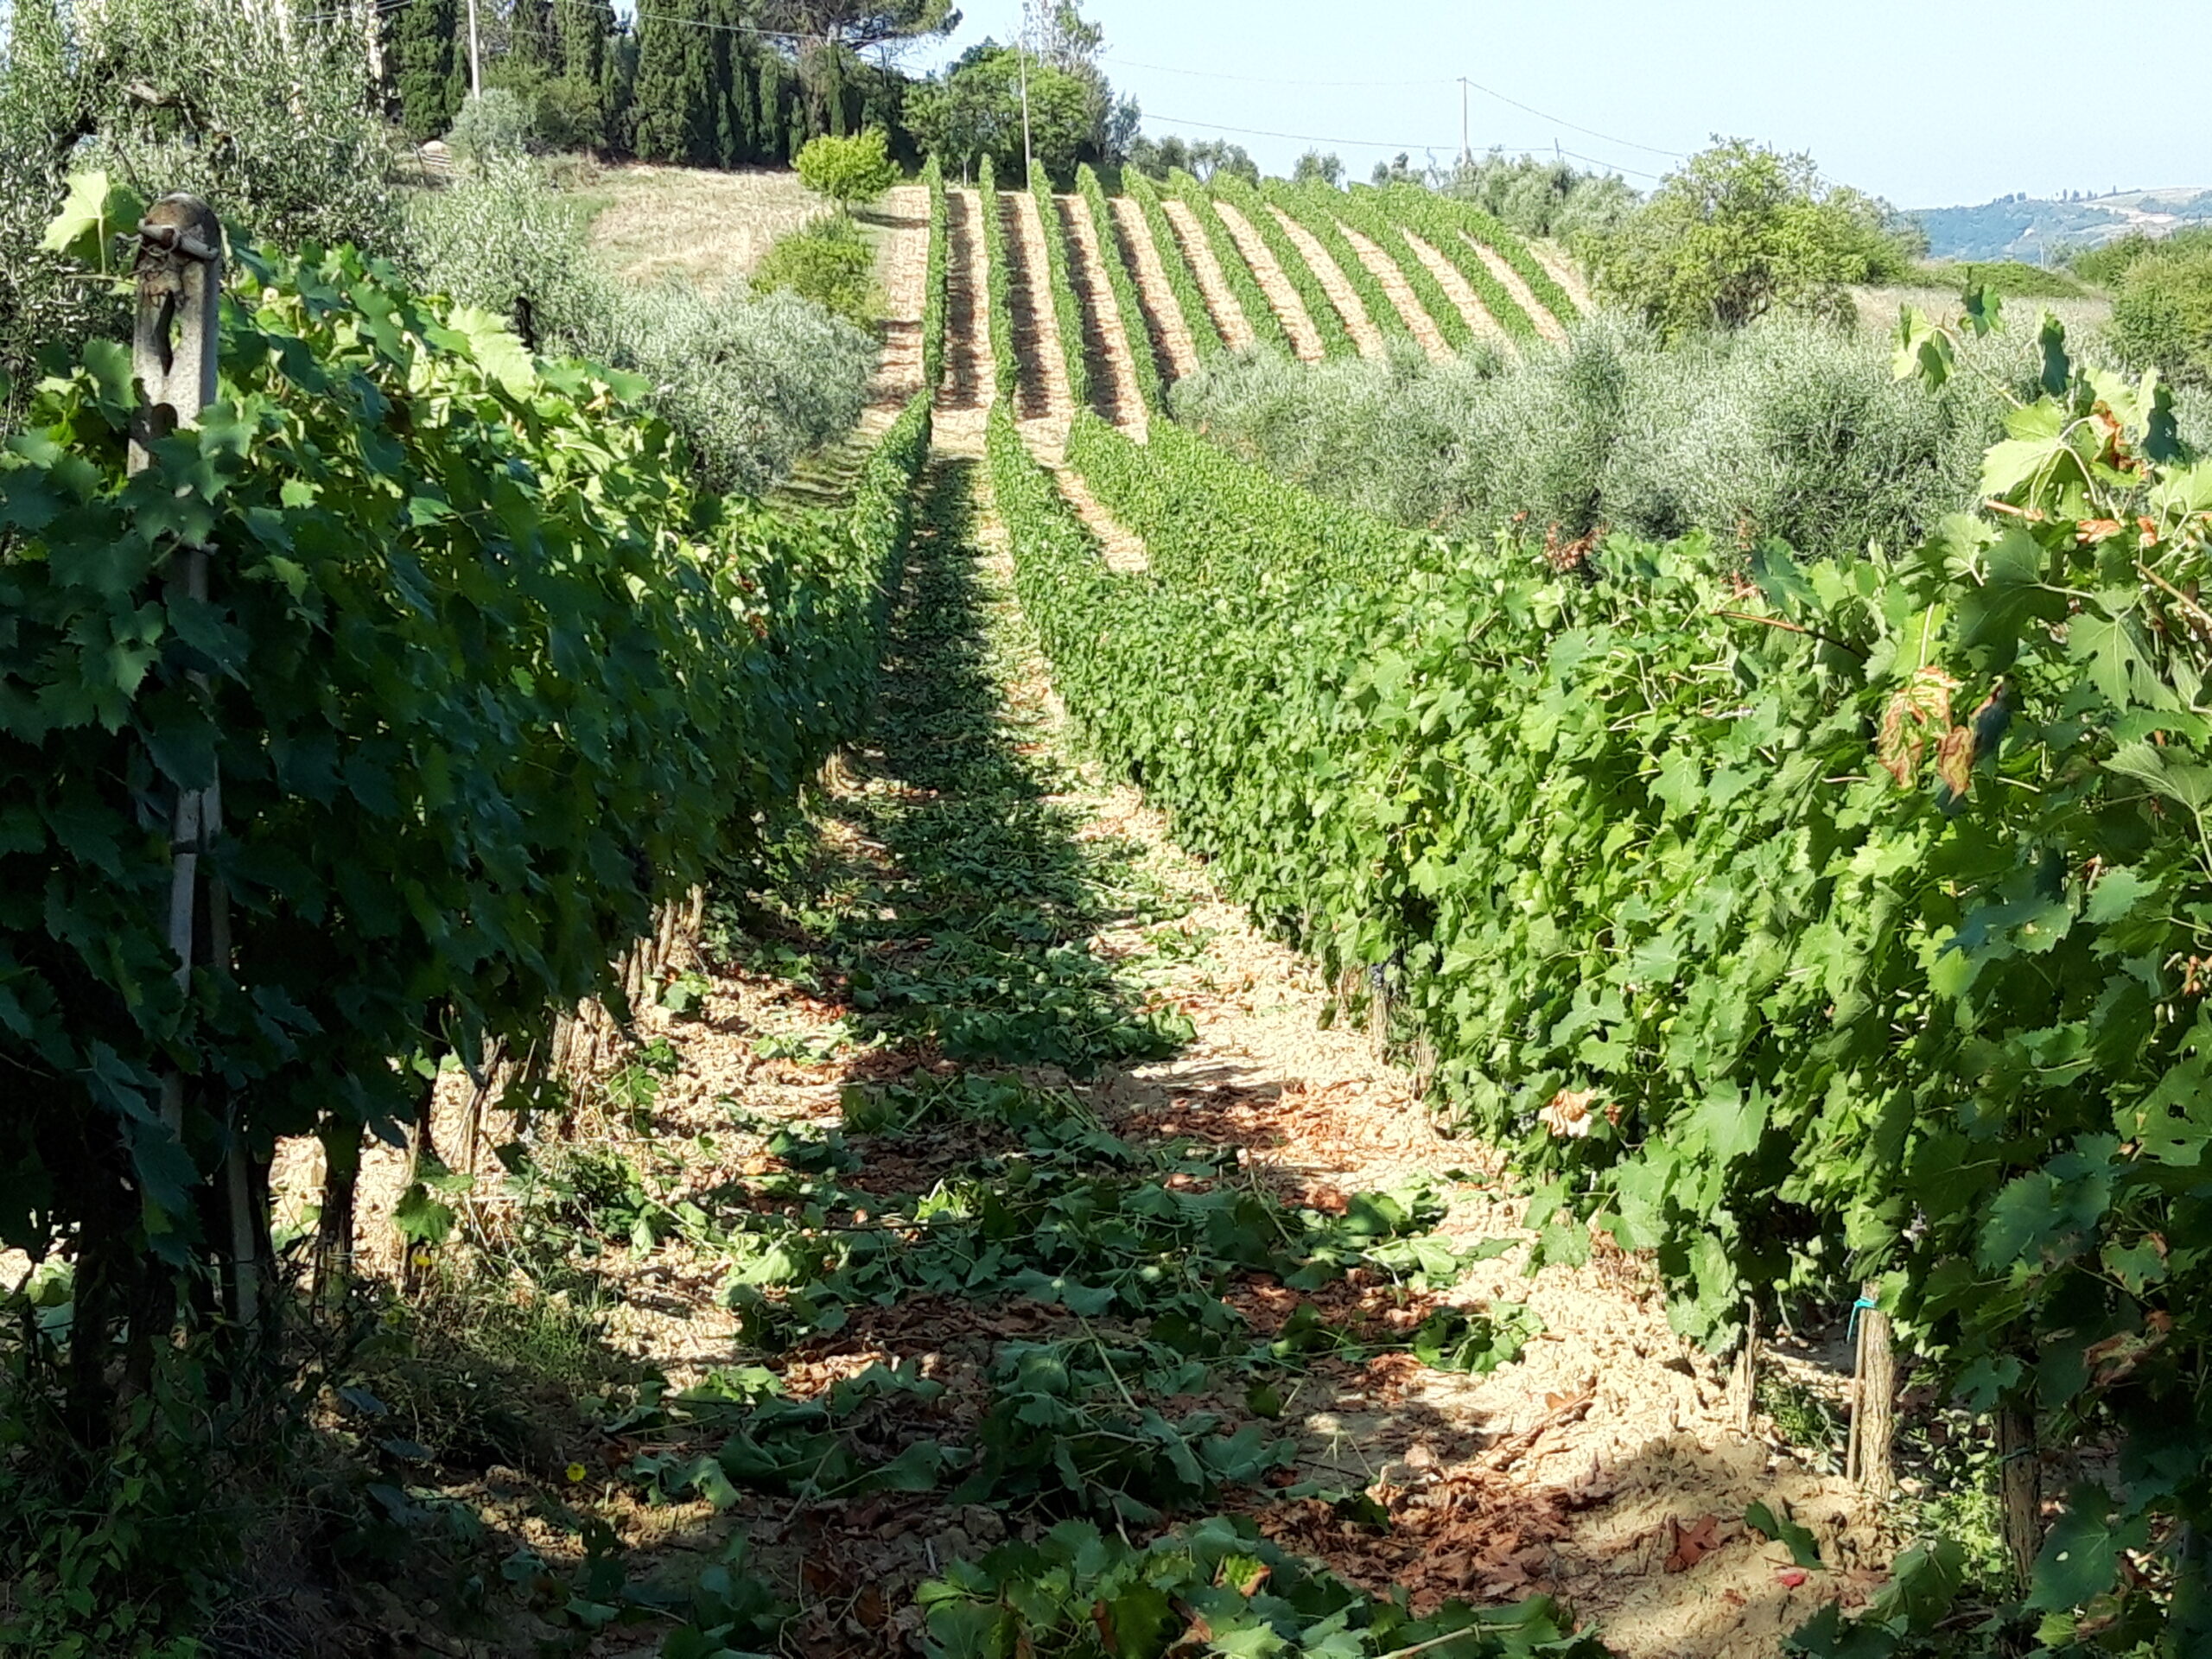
point(1114, 300)
point(1046, 1046)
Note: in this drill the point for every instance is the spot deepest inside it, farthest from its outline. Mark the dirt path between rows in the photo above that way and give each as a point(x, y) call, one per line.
point(1357, 323)
point(901, 222)
point(1562, 270)
point(1107, 343)
point(1044, 403)
point(1517, 285)
point(1462, 296)
point(1171, 332)
point(1221, 300)
point(1123, 549)
point(903, 264)
point(1425, 331)
point(1276, 284)
point(964, 399)
point(968, 885)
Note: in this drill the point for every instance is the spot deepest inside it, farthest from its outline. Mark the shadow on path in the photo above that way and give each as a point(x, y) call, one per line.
point(944, 893)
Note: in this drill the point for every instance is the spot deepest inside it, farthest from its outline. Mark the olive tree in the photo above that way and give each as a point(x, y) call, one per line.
point(1738, 231)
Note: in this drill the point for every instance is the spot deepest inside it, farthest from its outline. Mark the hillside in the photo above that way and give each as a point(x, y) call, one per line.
point(2030, 228)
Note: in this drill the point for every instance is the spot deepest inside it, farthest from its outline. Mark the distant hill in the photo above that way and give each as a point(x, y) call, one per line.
point(2029, 228)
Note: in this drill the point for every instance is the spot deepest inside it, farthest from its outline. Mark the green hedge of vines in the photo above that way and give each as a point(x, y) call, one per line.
point(489, 681)
point(1804, 925)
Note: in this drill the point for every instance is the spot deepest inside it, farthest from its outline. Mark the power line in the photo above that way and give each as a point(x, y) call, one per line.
point(1452, 80)
point(1375, 143)
point(1298, 137)
point(1588, 132)
point(727, 28)
point(1264, 80)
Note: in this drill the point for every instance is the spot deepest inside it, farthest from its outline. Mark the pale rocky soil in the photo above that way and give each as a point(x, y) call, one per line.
point(1517, 285)
point(1364, 333)
point(1045, 404)
point(1563, 269)
point(1305, 337)
point(1463, 298)
point(1113, 368)
point(1425, 331)
point(1221, 300)
point(965, 399)
point(1170, 329)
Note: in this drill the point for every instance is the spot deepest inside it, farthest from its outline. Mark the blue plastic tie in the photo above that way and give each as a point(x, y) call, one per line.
point(1864, 1304)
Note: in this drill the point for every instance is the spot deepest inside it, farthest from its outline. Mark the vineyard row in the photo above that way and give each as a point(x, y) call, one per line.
point(1830, 934)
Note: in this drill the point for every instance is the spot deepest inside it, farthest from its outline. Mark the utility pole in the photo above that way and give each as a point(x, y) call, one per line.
point(1022, 57)
point(1466, 145)
point(475, 56)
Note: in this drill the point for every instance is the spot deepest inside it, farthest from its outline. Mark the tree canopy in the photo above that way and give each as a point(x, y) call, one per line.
point(974, 109)
point(1541, 196)
point(1738, 231)
point(1158, 157)
point(858, 24)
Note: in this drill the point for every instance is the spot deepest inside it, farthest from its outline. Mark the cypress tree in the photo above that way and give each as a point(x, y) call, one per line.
point(433, 67)
point(658, 123)
point(768, 144)
point(581, 28)
point(701, 85)
point(532, 48)
point(744, 129)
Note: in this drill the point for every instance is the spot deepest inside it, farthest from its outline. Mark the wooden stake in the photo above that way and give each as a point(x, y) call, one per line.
point(2020, 1488)
point(1873, 1400)
point(175, 340)
point(1747, 1370)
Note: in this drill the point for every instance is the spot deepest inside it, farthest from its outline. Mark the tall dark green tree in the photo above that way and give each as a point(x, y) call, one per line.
point(730, 95)
point(831, 33)
point(581, 28)
point(669, 111)
point(533, 49)
point(432, 67)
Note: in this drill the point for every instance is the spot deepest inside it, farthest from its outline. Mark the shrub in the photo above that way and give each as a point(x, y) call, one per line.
point(1739, 231)
point(849, 171)
point(2162, 318)
point(829, 261)
point(2010, 277)
point(2108, 266)
point(751, 384)
point(493, 123)
point(1789, 430)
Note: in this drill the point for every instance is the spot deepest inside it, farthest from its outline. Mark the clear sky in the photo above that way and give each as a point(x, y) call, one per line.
point(1927, 105)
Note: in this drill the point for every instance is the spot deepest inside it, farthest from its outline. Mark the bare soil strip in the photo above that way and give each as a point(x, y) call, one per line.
point(1364, 333)
point(1171, 334)
point(1122, 548)
point(1106, 344)
point(1463, 297)
point(903, 261)
point(1401, 294)
point(1220, 300)
point(1561, 270)
point(1043, 397)
point(826, 477)
point(965, 398)
point(1305, 337)
point(1517, 285)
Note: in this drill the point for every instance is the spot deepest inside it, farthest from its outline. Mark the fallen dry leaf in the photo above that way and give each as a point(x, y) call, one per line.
point(1693, 1543)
